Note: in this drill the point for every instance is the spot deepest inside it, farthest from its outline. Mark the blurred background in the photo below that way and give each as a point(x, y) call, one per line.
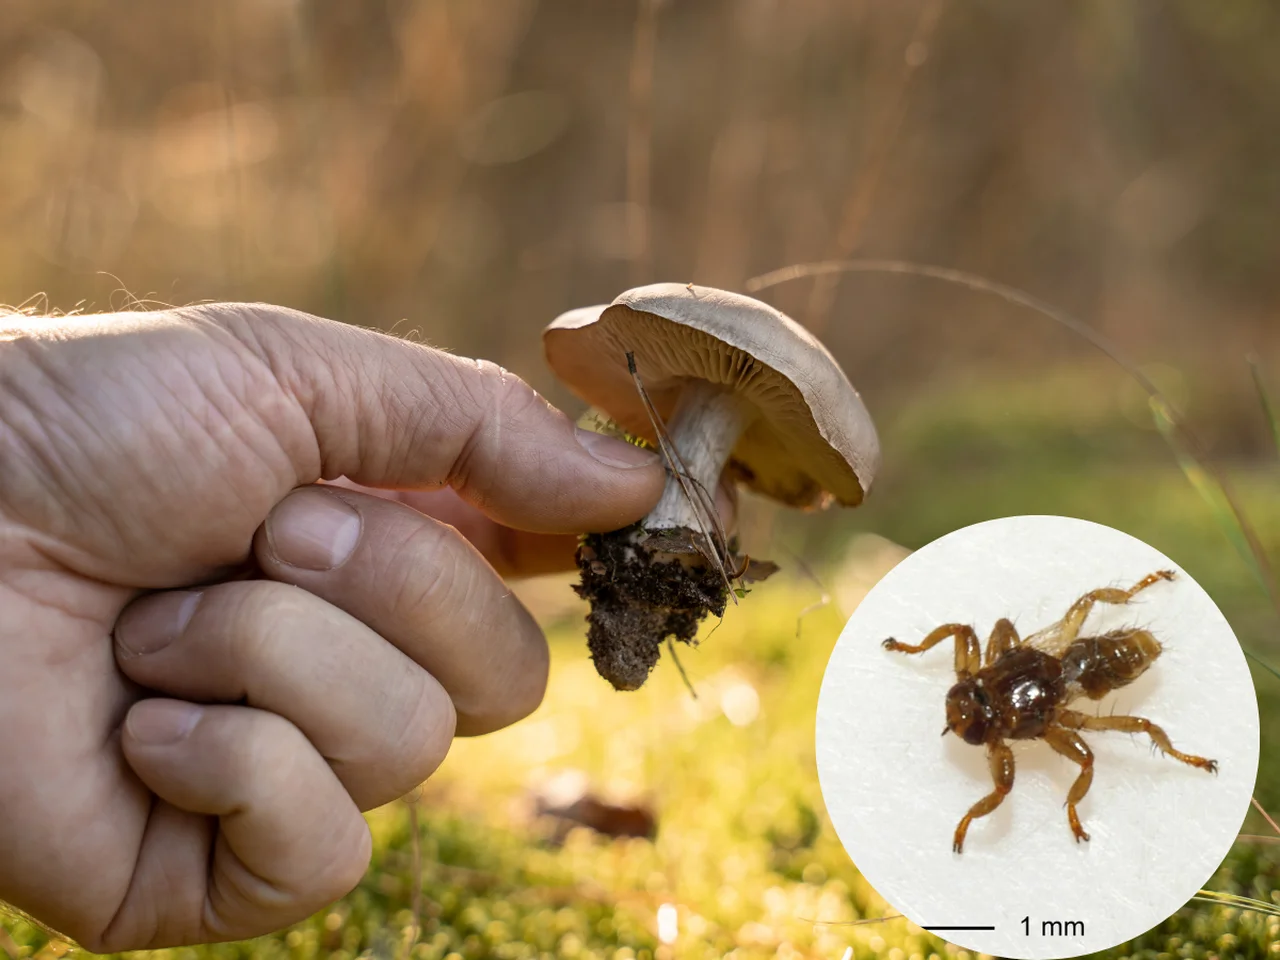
point(462, 172)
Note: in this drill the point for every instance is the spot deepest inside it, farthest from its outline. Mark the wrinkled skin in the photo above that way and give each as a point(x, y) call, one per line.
point(180, 766)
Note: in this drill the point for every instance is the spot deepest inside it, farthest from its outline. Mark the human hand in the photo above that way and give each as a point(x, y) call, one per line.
point(189, 765)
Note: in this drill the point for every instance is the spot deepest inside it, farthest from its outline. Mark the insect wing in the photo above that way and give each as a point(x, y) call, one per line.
point(1052, 640)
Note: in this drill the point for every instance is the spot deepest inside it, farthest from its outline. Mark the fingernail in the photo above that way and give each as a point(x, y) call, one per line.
point(156, 722)
point(155, 622)
point(614, 452)
point(313, 529)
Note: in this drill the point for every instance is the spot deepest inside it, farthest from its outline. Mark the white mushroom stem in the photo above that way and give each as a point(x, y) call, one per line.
point(707, 423)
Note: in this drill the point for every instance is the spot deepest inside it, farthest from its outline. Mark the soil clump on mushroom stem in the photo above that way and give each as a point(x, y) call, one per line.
point(644, 589)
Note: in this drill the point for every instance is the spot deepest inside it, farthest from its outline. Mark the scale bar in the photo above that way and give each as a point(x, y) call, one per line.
point(957, 928)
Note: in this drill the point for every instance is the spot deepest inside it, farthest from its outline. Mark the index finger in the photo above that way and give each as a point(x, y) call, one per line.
point(511, 552)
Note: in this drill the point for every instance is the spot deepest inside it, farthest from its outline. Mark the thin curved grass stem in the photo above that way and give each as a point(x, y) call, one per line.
point(1265, 816)
point(678, 469)
point(1239, 902)
point(1264, 397)
point(671, 648)
point(1191, 446)
point(415, 871)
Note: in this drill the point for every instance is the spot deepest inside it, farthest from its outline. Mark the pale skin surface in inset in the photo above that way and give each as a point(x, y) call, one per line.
point(1020, 690)
point(212, 662)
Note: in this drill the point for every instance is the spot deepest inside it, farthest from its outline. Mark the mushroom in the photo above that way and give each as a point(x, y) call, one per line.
point(746, 393)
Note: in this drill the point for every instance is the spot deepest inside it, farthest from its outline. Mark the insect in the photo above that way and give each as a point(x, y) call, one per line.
point(1021, 690)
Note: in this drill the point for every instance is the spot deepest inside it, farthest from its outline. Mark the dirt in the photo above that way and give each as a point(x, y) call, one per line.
point(643, 590)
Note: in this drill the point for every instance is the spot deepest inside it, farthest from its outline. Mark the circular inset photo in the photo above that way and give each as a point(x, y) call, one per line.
point(1098, 747)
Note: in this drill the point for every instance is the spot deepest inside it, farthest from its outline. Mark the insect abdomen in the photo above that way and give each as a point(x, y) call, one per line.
point(1099, 665)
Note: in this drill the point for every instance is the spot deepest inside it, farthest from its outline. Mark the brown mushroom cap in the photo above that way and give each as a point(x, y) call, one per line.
point(813, 440)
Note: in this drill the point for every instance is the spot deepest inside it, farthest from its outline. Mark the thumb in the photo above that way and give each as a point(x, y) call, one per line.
point(387, 412)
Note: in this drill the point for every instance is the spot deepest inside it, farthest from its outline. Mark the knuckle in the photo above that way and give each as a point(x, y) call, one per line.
point(529, 685)
point(424, 739)
point(518, 683)
point(247, 615)
point(407, 745)
point(352, 854)
point(263, 755)
point(497, 399)
point(108, 940)
point(424, 577)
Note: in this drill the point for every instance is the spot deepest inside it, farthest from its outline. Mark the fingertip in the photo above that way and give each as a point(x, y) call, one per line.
point(160, 722)
point(313, 528)
point(625, 482)
point(580, 494)
point(350, 863)
point(526, 465)
point(523, 681)
point(424, 739)
point(614, 452)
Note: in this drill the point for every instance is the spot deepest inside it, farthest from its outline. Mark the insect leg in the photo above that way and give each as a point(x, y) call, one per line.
point(1075, 617)
point(1000, 760)
point(968, 651)
point(1082, 721)
point(1071, 746)
point(1004, 637)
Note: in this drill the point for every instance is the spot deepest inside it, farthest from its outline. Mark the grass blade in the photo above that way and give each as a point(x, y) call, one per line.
point(1265, 816)
point(1195, 464)
point(1213, 492)
point(1237, 901)
point(1205, 484)
point(1268, 407)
